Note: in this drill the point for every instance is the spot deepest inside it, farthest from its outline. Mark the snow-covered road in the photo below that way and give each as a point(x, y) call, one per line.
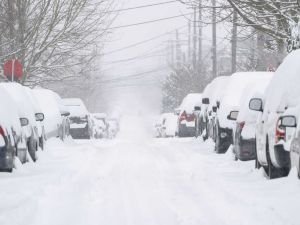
point(139, 180)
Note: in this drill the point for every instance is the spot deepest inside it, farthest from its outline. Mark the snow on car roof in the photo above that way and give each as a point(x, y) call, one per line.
point(21, 99)
point(75, 106)
point(256, 89)
point(50, 108)
point(284, 90)
point(239, 82)
point(190, 101)
point(9, 117)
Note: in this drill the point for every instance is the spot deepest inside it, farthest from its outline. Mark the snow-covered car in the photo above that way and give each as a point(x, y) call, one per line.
point(99, 126)
point(169, 125)
point(282, 94)
point(26, 113)
point(289, 123)
point(229, 108)
point(39, 116)
point(113, 128)
point(53, 121)
point(80, 121)
point(244, 131)
point(187, 118)
point(12, 138)
point(211, 99)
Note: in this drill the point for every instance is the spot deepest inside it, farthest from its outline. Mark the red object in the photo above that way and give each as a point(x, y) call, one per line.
point(183, 116)
point(279, 133)
point(13, 68)
point(2, 133)
point(242, 124)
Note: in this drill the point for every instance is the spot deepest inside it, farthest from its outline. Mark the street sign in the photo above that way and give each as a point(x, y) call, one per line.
point(13, 69)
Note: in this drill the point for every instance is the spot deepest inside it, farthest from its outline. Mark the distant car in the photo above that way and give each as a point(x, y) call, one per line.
point(54, 113)
point(229, 108)
point(113, 128)
point(211, 99)
point(99, 126)
point(80, 121)
point(244, 133)
point(169, 125)
point(28, 117)
point(12, 138)
point(187, 118)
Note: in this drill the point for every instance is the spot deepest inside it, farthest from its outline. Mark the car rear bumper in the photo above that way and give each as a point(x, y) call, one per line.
point(245, 150)
point(185, 131)
point(225, 137)
point(6, 158)
point(80, 133)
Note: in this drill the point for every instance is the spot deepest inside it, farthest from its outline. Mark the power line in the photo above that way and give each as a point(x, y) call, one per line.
point(142, 6)
point(142, 42)
point(147, 22)
point(132, 76)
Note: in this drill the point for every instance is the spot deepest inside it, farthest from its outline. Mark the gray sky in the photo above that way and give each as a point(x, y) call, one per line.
point(139, 89)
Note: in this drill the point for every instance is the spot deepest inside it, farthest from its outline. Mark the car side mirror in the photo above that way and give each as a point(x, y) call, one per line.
point(288, 121)
point(205, 101)
point(233, 115)
point(24, 122)
point(214, 109)
point(65, 113)
point(39, 117)
point(256, 104)
point(197, 108)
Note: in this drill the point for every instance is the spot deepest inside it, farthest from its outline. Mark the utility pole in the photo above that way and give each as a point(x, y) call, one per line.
point(234, 42)
point(260, 65)
point(178, 51)
point(214, 39)
point(195, 40)
point(200, 39)
point(189, 42)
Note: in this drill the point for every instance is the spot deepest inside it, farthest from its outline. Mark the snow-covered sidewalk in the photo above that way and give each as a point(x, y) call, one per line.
point(138, 180)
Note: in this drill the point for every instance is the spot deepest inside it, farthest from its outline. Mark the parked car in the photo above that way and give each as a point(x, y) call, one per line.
point(28, 119)
point(211, 99)
point(187, 118)
point(12, 138)
point(55, 121)
point(230, 106)
point(80, 121)
point(244, 132)
point(39, 116)
point(289, 123)
point(99, 126)
point(168, 125)
point(282, 93)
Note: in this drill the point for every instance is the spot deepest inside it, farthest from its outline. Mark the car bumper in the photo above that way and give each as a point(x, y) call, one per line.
point(6, 158)
point(80, 133)
point(225, 137)
point(185, 131)
point(245, 150)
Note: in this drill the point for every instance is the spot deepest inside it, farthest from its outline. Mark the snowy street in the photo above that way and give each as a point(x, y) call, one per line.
point(137, 179)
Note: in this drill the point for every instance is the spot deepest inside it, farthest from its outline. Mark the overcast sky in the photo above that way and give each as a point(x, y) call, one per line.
point(131, 93)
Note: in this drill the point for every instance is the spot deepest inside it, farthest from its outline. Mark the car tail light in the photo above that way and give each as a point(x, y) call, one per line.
point(279, 133)
point(183, 116)
point(2, 132)
point(241, 125)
